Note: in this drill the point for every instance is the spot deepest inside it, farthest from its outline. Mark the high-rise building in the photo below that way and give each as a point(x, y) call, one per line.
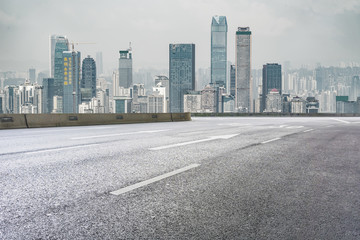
point(88, 80)
point(219, 50)
point(61, 45)
point(71, 77)
point(99, 63)
point(181, 74)
point(271, 80)
point(232, 80)
point(243, 81)
point(32, 75)
point(48, 94)
point(125, 68)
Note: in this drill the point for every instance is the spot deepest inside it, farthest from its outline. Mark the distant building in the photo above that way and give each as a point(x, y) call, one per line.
point(271, 80)
point(343, 105)
point(181, 74)
point(273, 102)
point(192, 102)
point(162, 91)
point(243, 81)
point(58, 104)
point(30, 98)
point(219, 30)
point(71, 79)
point(125, 69)
point(88, 80)
point(208, 99)
point(122, 104)
point(155, 103)
point(228, 102)
point(286, 103)
point(312, 105)
point(61, 44)
point(232, 80)
point(32, 75)
point(48, 94)
point(298, 105)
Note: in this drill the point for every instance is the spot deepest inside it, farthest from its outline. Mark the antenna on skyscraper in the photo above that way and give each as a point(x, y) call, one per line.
point(130, 46)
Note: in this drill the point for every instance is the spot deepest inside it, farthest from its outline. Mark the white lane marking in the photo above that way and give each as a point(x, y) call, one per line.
point(118, 134)
point(192, 142)
point(152, 180)
point(309, 130)
point(271, 140)
point(233, 124)
point(63, 148)
point(339, 120)
point(295, 127)
point(281, 126)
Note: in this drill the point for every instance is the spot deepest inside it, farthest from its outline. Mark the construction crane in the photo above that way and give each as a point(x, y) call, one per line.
point(77, 43)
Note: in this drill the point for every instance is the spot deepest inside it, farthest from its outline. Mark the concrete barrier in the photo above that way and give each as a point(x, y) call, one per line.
point(180, 117)
point(62, 120)
point(275, 115)
point(9, 121)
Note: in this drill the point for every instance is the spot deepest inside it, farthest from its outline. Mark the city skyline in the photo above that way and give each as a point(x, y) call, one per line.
point(277, 36)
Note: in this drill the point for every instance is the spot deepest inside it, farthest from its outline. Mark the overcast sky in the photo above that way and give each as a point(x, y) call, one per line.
point(304, 32)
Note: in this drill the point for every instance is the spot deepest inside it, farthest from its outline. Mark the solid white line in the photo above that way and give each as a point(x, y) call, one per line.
point(152, 180)
point(295, 127)
point(118, 134)
point(58, 149)
point(339, 120)
point(309, 130)
point(192, 142)
point(271, 140)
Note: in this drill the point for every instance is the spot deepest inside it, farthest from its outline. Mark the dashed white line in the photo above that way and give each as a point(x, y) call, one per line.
point(340, 120)
point(152, 180)
point(63, 148)
point(295, 127)
point(309, 130)
point(271, 140)
point(118, 134)
point(192, 142)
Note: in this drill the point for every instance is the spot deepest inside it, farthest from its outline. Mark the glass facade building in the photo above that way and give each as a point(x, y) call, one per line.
point(271, 80)
point(218, 50)
point(125, 69)
point(88, 80)
point(70, 81)
point(61, 45)
point(181, 74)
point(243, 81)
point(48, 95)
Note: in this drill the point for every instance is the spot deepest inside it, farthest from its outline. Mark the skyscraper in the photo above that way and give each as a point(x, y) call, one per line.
point(61, 45)
point(48, 94)
point(232, 80)
point(52, 42)
point(99, 63)
point(88, 80)
point(218, 50)
point(181, 74)
point(32, 75)
point(271, 80)
point(243, 81)
point(71, 77)
point(125, 68)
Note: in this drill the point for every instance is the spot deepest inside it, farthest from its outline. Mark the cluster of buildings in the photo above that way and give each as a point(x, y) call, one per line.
point(76, 85)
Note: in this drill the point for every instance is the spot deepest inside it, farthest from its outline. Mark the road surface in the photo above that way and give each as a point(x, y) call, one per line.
point(210, 178)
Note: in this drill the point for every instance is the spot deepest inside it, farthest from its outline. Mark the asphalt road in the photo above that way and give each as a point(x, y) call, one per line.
point(211, 178)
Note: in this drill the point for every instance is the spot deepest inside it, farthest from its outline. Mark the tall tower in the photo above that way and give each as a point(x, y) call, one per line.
point(243, 81)
point(181, 74)
point(271, 80)
point(70, 81)
point(218, 50)
point(125, 68)
point(88, 80)
point(61, 45)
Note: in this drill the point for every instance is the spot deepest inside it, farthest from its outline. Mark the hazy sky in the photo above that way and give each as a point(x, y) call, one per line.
point(301, 31)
